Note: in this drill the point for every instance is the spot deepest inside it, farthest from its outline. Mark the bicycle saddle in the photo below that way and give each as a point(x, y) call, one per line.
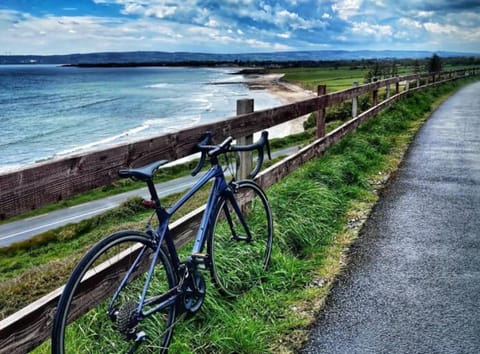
point(142, 173)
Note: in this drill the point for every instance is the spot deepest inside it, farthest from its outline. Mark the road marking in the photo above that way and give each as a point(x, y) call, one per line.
point(56, 222)
point(96, 211)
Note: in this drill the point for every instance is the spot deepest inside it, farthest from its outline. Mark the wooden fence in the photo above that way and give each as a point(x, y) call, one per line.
point(55, 180)
point(24, 189)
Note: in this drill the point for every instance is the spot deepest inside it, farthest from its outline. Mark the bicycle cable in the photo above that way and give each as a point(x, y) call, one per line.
point(229, 166)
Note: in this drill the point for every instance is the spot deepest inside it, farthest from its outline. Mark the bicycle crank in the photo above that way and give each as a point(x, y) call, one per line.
point(194, 293)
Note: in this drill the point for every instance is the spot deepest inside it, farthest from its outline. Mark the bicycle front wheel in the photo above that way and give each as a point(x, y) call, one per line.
point(97, 310)
point(240, 242)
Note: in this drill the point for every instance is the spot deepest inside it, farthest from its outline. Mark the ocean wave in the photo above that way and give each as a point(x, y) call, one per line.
point(159, 85)
point(89, 104)
point(204, 103)
point(103, 142)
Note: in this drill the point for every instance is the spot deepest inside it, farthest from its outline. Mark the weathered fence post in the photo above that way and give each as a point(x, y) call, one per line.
point(355, 102)
point(407, 85)
point(374, 95)
point(397, 87)
point(418, 82)
point(245, 106)
point(388, 91)
point(321, 90)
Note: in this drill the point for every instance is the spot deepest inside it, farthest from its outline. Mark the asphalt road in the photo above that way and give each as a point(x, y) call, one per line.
point(24, 229)
point(27, 228)
point(413, 282)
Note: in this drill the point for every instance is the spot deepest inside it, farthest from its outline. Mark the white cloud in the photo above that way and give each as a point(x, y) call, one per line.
point(437, 28)
point(285, 35)
point(409, 23)
point(255, 43)
point(212, 23)
point(367, 29)
point(445, 31)
point(347, 8)
point(425, 14)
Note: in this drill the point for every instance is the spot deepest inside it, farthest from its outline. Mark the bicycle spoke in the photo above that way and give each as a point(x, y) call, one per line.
point(241, 239)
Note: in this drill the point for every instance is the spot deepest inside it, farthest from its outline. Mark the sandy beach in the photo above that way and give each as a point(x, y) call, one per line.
point(287, 92)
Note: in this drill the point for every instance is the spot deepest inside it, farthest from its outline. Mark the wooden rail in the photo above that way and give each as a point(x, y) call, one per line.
point(29, 327)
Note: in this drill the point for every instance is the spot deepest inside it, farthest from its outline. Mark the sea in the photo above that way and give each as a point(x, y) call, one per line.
point(50, 111)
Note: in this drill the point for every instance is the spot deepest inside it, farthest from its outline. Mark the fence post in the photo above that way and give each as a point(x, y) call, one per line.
point(388, 91)
point(374, 94)
point(407, 85)
point(355, 102)
point(418, 83)
point(245, 106)
point(321, 90)
point(397, 87)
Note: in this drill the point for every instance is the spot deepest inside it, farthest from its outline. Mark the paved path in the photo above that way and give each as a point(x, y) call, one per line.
point(413, 284)
point(24, 229)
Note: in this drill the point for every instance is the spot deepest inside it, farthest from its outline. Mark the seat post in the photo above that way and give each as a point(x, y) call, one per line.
point(153, 192)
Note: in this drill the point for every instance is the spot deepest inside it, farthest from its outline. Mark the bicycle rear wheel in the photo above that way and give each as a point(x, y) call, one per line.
point(240, 252)
point(91, 319)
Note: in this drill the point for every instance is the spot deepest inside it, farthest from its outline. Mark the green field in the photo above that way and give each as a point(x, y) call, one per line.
point(335, 79)
point(341, 77)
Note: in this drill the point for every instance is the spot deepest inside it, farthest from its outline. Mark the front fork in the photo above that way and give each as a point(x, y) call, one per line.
point(230, 196)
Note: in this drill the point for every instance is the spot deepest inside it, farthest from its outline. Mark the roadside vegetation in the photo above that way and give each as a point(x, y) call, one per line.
point(318, 211)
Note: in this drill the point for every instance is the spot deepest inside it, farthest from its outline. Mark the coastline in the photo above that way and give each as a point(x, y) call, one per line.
point(287, 92)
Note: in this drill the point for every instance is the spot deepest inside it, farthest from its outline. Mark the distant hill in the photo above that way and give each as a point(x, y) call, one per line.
point(181, 57)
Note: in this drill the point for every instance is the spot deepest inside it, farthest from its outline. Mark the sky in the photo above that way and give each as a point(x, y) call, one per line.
point(237, 26)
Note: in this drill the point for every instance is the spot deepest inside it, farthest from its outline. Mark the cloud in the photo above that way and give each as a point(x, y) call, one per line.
point(366, 29)
point(409, 23)
point(242, 25)
point(346, 8)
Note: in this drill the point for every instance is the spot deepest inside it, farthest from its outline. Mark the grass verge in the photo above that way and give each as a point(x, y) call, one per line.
point(317, 211)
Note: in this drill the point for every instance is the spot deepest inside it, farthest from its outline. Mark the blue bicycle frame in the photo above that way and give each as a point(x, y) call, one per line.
point(220, 188)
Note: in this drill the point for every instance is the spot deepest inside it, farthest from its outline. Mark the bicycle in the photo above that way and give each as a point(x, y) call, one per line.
point(134, 305)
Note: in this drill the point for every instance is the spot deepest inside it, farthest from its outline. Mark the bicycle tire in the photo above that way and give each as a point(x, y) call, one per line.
point(92, 285)
point(237, 265)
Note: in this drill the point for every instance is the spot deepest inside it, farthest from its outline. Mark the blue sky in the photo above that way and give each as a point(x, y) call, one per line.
point(237, 26)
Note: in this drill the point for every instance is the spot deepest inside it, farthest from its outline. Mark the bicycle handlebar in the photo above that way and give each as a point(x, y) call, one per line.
point(259, 146)
point(200, 146)
point(205, 147)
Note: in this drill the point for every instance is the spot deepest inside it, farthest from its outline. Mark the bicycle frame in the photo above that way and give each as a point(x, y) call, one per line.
point(162, 233)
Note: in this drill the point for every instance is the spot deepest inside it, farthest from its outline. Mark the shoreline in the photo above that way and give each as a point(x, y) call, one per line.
point(287, 92)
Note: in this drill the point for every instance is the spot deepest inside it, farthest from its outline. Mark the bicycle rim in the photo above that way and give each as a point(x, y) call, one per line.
point(84, 321)
point(237, 262)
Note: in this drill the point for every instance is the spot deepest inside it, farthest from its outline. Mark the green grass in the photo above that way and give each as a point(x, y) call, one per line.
point(335, 79)
point(311, 208)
